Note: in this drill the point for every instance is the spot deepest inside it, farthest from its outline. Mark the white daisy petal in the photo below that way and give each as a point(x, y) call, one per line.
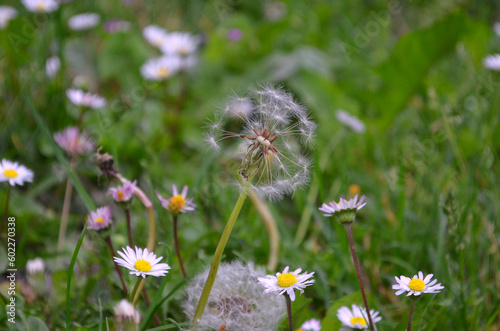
point(287, 282)
point(141, 262)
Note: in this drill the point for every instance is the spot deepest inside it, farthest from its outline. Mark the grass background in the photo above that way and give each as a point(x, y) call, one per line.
point(428, 161)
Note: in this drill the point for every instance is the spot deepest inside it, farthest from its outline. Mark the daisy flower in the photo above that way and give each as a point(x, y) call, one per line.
point(14, 173)
point(417, 285)
point(345, 210)
point(178, 203)
point(7, 13)
point(356, 318)
point(351, 121)
point(270, 139)
point(126, 312)
point(83, 21)
point(73, 142)
point(180, 44)
point(492, 62)
point(123, 193)
point(85, 99)
point(142, 262)
point(310, 325)
point(99, 219)
point(287, 282)
point(52, 66)
point(155, 35)
point(115, 25)
point(41, 6)
point(35, 266)
point(161, 68)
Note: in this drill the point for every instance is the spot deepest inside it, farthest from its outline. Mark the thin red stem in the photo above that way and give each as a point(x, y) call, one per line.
point(289, 310)
point(118, 270)
point(177, 249)
point(129, 228)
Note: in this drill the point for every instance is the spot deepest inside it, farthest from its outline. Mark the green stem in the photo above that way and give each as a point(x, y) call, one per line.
point(413, 304)
point(140, 284)
point(65, 211)
point(136, 286)
point(177, 248)
point(6, 212)
point(129, 228)
point(348, 229)
point(218, 253)
point(289, 310)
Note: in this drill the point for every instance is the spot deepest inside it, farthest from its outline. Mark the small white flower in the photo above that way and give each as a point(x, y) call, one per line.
point(73, 142)
point(159, 69)
point(123, 193)
point(52, 66)
point(142, 262)
point(83, 21)
point(357, 318)
point(417, 285)
point(99, 219)
point(14, 173)
point(311, 325)
point(178, 203)
point(155, 35)
point(7, 13)
point(351, 121)
point(35, 266)
point(125, 311)
point(287, 282)
point(333, 208)
point(181, 44)
point(41, 6)
point(84, 99)
point(492, 62)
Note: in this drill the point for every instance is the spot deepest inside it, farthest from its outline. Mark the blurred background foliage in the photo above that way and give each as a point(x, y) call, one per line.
point(427, 162)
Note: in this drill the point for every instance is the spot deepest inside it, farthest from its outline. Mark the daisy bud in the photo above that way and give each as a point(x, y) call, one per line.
point(124, 193)
point(99, 219)
point(178, 203)
point(73, 142)
point(345, 210)
point(127, 317)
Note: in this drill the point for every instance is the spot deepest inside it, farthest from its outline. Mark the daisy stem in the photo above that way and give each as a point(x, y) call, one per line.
point(137, 289)
point(348, 229)
point(6, 212)
point(129, 227)
point(65, 210)
point(107, 239)
point(218, 252)
point(177, 249)
point(289, 310)
point(413, 304)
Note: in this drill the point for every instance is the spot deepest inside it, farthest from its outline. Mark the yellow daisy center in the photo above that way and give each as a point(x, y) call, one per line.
point(182, 51)
point(120, 196)
point(162, 72)
point(142, 265)
point(287, 279)
point(176, 203)
point(416, 285)
point(10, 173)
point(99, 220)
point(299, 330)
point(40, 6)
point(359, 320)
point(354, 189)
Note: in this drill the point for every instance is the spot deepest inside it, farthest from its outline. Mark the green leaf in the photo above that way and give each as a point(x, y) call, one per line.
point(36, 324)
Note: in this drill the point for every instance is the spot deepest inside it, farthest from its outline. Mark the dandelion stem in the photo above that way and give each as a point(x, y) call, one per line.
point(107, 239)
point(138, 288)
point(289, 310)
point(218, 253)
point(129, 227)
point(348, 229)
point(177, 249)
point(413, 304)
point(6, 211)
point(65, 210)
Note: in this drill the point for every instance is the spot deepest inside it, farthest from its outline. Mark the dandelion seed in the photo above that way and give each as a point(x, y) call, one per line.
point(177, 203)
point(84, 99)
point(417, 285)
point(83, 21)
point(356, 318)
point(287, 282)
point(7, 14)
point(155, 35)
point(40, 6)
point(35, 266)
point(270, 140)
point(492, 62)
point(73, 142)
point(142, 262)
point(14, 173)
point(99, 219)
point(351, 121)
point(159, 69)
point(123, 193)
point(310, 325)
point(236, 300)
